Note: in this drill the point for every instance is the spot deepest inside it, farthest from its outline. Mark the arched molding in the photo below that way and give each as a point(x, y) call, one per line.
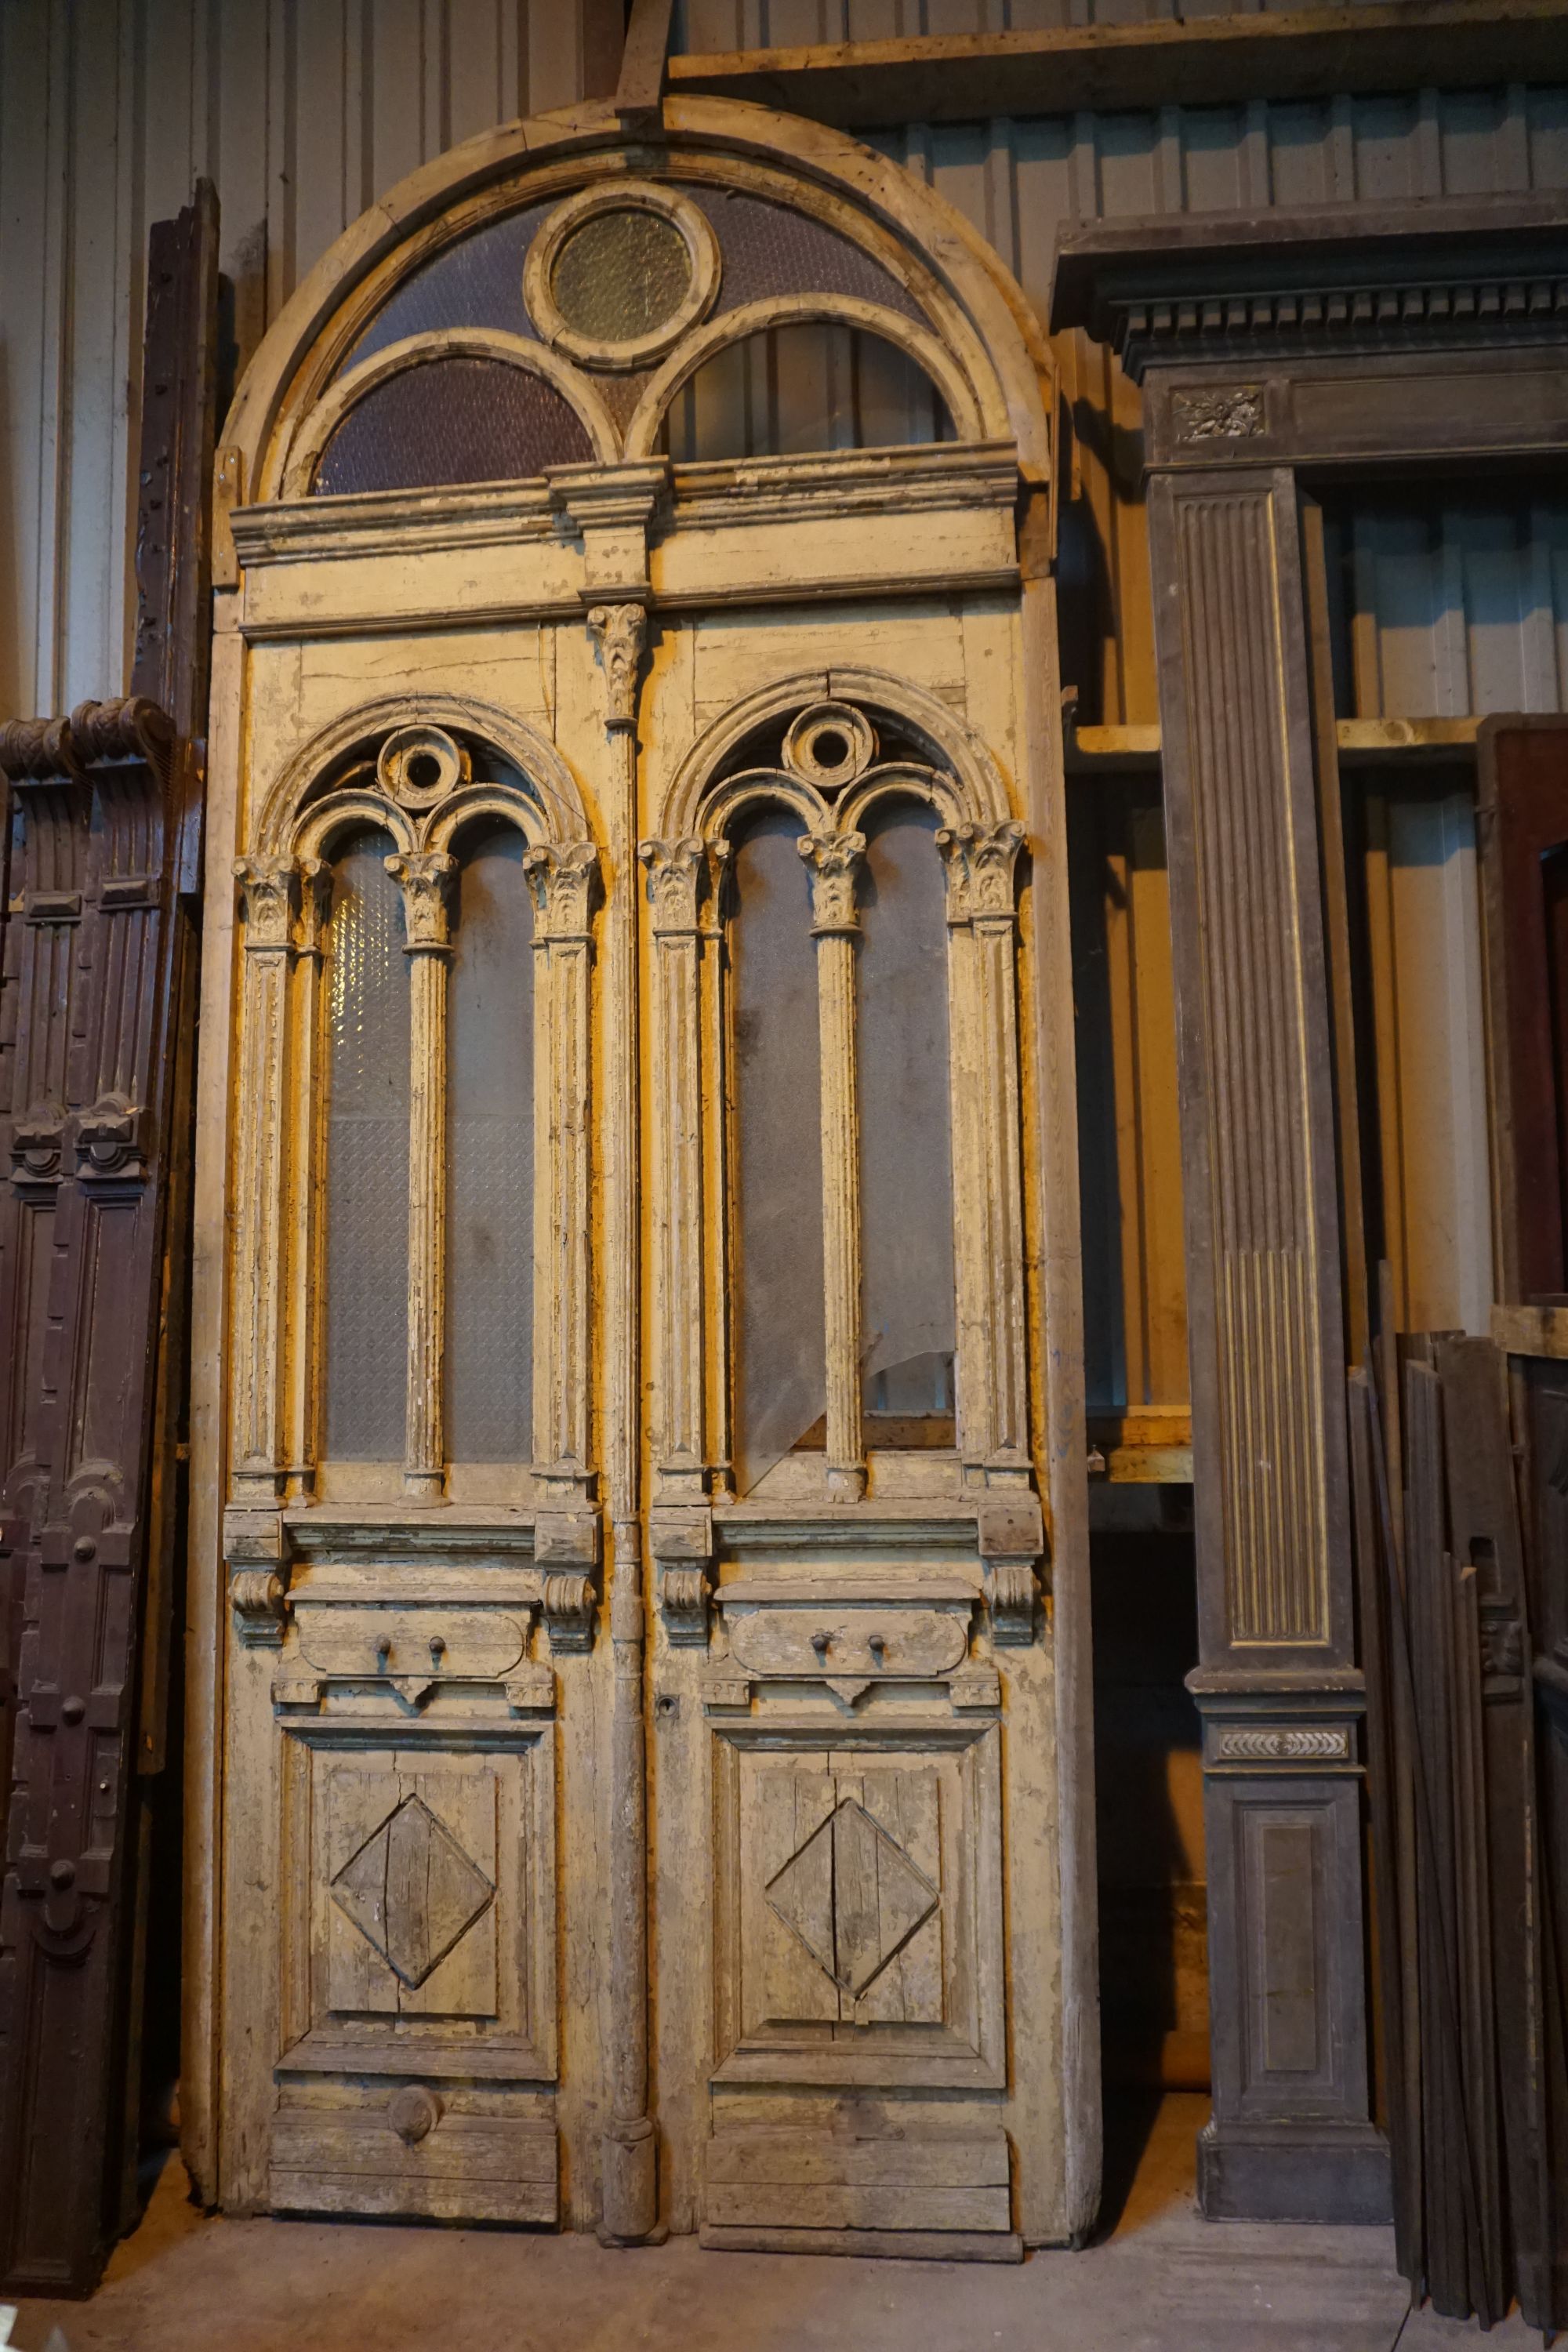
point(285, 806)
point(798, 311)
point(473, 800)
point(308, 444)
point(738, 797)
point(898, 780)
point(976, 780)
point(972, 302)
point(324, 825)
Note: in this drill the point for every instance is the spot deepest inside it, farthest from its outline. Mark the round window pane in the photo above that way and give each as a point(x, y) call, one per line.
point(621, 275)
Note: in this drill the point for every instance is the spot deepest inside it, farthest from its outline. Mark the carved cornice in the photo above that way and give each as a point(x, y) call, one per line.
point(834, 862)
point(425, 876)
point(619, 632)
point(1319, 283)
point(41, 750)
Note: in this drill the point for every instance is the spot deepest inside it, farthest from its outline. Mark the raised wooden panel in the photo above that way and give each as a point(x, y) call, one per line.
point(459, 2168)
point(419, 1935)
point(864, 1910)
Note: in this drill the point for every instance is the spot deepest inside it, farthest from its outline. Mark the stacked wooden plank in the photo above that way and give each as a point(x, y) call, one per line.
point(1456, 1843)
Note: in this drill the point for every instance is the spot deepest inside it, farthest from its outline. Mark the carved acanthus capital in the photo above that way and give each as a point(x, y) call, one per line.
point(269, 888)
point(980, 860)
point(562, 875)
point(620, 632)
point(425, 876)
point(834, 862)
point(675, 873)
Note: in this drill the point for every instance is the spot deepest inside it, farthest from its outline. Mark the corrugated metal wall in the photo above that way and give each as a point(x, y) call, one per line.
point(303, 111)
point(706, 25)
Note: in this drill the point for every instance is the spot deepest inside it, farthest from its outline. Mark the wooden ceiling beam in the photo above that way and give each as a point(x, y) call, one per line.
point(1369, 45)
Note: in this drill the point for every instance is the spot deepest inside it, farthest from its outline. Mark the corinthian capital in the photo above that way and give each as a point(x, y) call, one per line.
point(676, 870)
point(426, 877)
point(561, 875)
point(980, 860)
point(269, 888)
point(618, 631)
point(835, 861)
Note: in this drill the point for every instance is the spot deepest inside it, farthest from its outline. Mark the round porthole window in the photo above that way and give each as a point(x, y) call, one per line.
point(618, 273)
point(829, 745)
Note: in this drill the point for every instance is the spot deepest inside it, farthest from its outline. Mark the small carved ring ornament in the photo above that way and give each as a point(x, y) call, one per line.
point(418, 766)
point(829, 745)
point(621, 196)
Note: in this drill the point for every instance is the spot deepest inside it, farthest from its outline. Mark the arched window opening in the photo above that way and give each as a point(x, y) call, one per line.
point(366, 1155)
point(795, 389)
point(451, 421)
point(906, 1328)
point(489, 1151)
point(776, 1147)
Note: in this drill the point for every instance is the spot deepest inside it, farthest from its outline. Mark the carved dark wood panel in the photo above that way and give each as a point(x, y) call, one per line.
point(96, 1040)
point(1523, 829)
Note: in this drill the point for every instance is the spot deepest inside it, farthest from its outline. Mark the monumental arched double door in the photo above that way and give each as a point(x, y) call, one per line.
point(638, 1295)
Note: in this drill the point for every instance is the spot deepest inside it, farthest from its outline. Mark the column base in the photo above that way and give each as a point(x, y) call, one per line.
point(1296, 2171)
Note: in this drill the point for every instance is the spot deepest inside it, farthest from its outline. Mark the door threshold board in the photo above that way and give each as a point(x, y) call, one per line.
point(892, 2246)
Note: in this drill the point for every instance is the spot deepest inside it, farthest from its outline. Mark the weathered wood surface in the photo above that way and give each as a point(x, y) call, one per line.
point(1299, 53)
point(97, 1034)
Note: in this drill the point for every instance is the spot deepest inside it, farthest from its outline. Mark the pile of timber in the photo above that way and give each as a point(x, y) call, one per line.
point(1468, 1954)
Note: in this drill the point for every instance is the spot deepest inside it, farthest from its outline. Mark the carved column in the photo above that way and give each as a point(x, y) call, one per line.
point(988, 1221)
point(426, 877)
point(834, 862)
point(561, 877)
point(270, 891)
point(676, 870)
point(628, 2149)
point(1279, 1695)
point(306, 1289)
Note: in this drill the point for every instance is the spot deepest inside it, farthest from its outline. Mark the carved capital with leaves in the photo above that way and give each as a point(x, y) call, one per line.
point(834, 862)
point(675, 873)
point(562, 875)
point(425, 876)
point(620, 632)
point(980, 860)
point(269, 888)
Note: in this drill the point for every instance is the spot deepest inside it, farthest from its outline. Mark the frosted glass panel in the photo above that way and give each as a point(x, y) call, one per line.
point(779, 1369)
point(906, 1143)
point(791, 389)
point(490, 1148)
point(367, 1157)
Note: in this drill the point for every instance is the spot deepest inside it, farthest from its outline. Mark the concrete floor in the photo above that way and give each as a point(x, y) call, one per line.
point(1158, 2281)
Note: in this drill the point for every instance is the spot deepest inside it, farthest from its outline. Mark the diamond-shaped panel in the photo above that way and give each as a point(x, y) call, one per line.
point(852, 1895)
point(412, 1891)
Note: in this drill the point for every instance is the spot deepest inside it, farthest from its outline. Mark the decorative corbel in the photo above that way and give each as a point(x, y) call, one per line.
point(566, 1549)
point(1011, 1537)
point(259, 1599)
point(620, 632)
point(682, 1546)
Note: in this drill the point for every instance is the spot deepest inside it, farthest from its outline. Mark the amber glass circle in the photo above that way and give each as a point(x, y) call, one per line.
point(619, 275)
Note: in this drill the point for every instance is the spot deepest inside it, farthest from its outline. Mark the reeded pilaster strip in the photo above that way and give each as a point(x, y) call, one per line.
point(270, 892)
point(988, 1223)
point(561, 875)
point(676, 870)
point(425, 878)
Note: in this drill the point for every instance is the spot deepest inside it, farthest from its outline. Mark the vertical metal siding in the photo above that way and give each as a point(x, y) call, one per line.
point(303, 111)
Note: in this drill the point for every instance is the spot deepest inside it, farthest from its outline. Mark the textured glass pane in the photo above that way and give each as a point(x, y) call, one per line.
point(906, 1147)
point(780, 1375)
point(621, 275)
point(790, 390)
point(367, 1157)
point(447, 421)
point(767, 250)
point(489, 1154)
